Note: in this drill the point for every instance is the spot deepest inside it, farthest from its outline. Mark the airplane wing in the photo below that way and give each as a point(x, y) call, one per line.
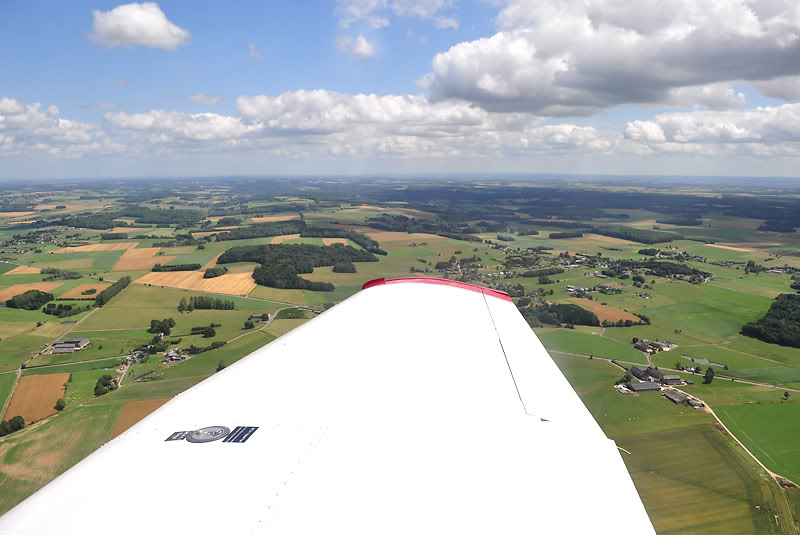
point(415, 406)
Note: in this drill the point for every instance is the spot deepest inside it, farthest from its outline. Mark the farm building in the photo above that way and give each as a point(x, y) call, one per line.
point(76, 343)
point(643, 346)
point(62, 349)
point(675, 396)
point(653, 372)
point(639, 373)
point(671, 380)
point(695, 404)
point(642, 387)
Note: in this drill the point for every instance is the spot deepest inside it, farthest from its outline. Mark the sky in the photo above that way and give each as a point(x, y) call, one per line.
point(657, 87)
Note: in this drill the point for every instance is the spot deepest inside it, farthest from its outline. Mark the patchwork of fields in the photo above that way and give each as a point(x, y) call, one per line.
point(692, 477)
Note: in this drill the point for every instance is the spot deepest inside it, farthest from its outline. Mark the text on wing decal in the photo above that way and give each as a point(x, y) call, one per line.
point(212, 433)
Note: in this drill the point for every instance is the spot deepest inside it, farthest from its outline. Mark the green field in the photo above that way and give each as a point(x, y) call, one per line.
point(770, 430)
point(6, 384)
point(31, 458)
point(693, 480)
point(574, 341)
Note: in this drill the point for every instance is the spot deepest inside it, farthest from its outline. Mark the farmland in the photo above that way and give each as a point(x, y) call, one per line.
point(35, 396)
point(505, 236)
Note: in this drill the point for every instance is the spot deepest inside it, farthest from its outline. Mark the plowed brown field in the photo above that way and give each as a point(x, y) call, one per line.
point(24, 270)
point(17, 289)
point(133, 412)
point(36, 395)
point(14, 214)
point(76, 292)
point(97, 247)
point(605, 312)
point(331, 241)
point(230, 283)
point(281, 239)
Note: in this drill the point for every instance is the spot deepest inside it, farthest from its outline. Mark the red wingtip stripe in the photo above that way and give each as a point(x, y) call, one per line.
point(444, 282)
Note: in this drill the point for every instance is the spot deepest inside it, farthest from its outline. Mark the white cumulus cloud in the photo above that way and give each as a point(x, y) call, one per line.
point(578, 57)
point(30, 129)
point(358, 47)
point(202, 98)
point(137, 24)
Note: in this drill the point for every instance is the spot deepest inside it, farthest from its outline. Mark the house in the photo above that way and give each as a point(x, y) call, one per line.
point(675, 396)
point(653, 372)
point(173, 355)
point(259, 317)
point(639, 373)
point(671, 380)
point(642, 387)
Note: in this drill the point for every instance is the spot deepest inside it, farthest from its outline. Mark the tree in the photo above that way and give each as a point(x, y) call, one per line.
point(182, 305)
point(786, 395)
point(16, 423)
point(627, 378)
point(709, 376)
point(60, 404)
point(635, 339)
point(221, 366)
point(249, 324)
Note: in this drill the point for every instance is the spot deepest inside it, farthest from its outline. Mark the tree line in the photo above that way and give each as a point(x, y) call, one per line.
point(281, 264)
point(106, 295)
point(367, 243)
point(177, 267)
point(30, 300)
point(263, 230)
point(637, 234)
point(204, 302)
point(780, 325)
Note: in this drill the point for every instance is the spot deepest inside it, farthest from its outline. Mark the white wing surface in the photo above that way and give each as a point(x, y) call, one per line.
point(415, 406)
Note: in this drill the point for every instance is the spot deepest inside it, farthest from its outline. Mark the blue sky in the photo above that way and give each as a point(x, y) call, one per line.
point(384, 86)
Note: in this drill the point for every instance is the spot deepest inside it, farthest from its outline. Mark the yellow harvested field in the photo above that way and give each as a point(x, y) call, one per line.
point(274, 218)
point(281, 239)
point(213, 262)
point(735, 247)
point(144, 258)
point(605, 312)
point(230, 283)
point(36, 395)
point(14, 214)
point(97, 247)
point(606, 239)
point(331, 241)
point(133, 412)
point(77, 292)
point(24, 270)
point(17, 289)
